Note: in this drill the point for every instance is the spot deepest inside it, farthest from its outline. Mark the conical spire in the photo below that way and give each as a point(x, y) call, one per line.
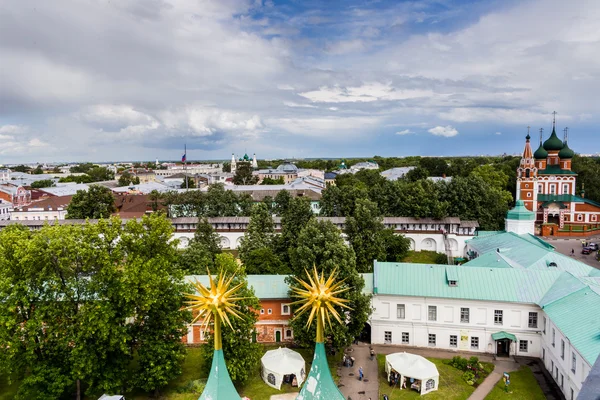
point(527, 153)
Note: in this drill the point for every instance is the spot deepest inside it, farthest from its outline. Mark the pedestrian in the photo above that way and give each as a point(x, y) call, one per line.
point(360, 373)
point(352, 361)
point(572, 252)
point(372, 354)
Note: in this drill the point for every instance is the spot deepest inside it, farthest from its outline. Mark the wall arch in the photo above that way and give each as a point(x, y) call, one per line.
point(412, 244)
point(238, 241)
point(453, 243)
point(225, 243)
point(429, 244)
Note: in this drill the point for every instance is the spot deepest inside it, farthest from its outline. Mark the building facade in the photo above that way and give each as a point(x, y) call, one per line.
point(546, 184)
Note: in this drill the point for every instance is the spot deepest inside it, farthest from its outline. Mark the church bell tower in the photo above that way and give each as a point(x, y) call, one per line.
point(527, 177)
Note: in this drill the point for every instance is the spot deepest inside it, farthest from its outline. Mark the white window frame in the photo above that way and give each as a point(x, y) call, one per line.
point(453, 340)
point(475, 342)
point(573, 362)
point(524, 346)
point(562, 349)
point(579, 217)
point(531, 324)
point(498, 317)
point(552, 188)
point(262, 311)
point(431, 311)
point(553, 337)
point(432, 339)
point(405, 337)
point(528, 194)
point(387, 334)
point(594, 218)
point(283, 309)
point(465, 315)
point(565, 188)
point(400, 311)
point(291, 335)
point(270, 311)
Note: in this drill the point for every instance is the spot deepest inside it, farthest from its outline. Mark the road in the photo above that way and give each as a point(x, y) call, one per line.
point(564, 246)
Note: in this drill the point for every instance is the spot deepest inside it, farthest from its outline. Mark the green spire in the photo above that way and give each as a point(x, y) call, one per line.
point(219, 385)
point(319, 384)
point(520, 212)
point(553, 142)
point(540, 153)
point(566, 152)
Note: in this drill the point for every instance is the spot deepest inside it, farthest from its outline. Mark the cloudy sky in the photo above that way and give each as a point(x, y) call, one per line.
point(136, 79)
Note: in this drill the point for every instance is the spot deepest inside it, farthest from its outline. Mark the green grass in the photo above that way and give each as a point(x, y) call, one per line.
point(425, 257)
point(523, 386)
point(451, 385)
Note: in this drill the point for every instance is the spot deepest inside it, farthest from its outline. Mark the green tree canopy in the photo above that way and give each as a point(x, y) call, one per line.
point(191, 184)
point(272, 181)
point(243, 174)
point(364, 232)
point(295, 218)
point(44, 183)
point(127, 178)
point(320, 244)
point(202, 250)
point(259, 233)
point(283, 198)
point(96, 202)
point(91, 298)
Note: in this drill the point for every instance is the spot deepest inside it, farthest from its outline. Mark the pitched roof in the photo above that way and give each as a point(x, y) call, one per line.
point(492, 284)
point(48, 204)
point(576, 315)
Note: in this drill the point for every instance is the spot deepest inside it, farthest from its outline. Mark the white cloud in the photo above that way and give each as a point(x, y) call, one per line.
point(404, 132)
point(445, 131)
point(326, 126)
point(13, 129)
point(367, 92)
point(345, 46)
point(292, 104)
point(498, 133)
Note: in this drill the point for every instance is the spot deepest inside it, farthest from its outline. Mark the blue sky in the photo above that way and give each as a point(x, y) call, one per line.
point(136, 79)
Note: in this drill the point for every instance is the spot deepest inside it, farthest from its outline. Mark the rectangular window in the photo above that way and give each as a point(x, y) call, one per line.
point(543, 354)
point(400, 311)
point(540, 188)
point(464, 315)
point(551, 366)
point(405, 338)
point(573, 362)
point(572, 394)
point(553, 338)
point(285, 309)
point(562, 381)
point(432, 313)
point(562, 349)
point(387, 337)
point(533, 318)
point(432, 339)
point(544, 327)
point(453, 341)
point(565, 189)
point(474, 343)
point(523, 344)
point(552, 189)
point(498, 317)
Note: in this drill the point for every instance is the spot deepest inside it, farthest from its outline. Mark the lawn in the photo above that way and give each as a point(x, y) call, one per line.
point(7, 392)
point(451, 385)
point(523, 386)
point(425, 257)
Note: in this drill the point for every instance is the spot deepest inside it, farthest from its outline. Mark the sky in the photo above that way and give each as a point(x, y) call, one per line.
point(98, 80)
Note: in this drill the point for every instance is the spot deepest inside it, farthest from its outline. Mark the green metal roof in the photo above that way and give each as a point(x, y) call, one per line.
point(504, 335)
point(564, 286)
point(577, 317)
point(565, 198)
point(553, 142)
point(219, 385)
point(520, 212)
point(494, 284)
point(555, 170)
point(319, 384)
point(265, 286)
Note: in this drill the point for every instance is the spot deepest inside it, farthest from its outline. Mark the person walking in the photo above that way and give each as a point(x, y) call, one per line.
point(572, 252)
point(360, 374)
point(372, 354)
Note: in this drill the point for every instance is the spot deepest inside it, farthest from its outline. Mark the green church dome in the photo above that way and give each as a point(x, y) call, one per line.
point(566, 152)
point(553, 142)
point(540, 153)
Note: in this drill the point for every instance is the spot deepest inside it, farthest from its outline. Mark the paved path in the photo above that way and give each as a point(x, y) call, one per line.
point(565, 245)
point(349, 384)
point(285, 396)
point(500, 366)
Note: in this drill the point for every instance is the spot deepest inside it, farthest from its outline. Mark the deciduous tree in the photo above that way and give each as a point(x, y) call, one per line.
point(96, 202)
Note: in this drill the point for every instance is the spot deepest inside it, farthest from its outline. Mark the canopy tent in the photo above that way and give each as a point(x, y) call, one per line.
point(280, 362)
point(504, 335)
point(413, 366)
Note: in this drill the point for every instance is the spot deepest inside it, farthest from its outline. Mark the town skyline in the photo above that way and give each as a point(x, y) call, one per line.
point(137, 79)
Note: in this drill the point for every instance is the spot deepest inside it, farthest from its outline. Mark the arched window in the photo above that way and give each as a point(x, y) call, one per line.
point(527, 173)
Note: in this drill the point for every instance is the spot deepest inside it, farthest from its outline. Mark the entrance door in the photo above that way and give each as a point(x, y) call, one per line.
point(503, 347)
point(278, 336)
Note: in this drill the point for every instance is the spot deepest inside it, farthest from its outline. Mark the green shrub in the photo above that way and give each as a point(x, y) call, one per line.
point(196, 387)
point(469, 377)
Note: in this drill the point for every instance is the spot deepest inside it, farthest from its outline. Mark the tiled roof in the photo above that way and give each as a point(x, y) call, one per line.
point(49, 203)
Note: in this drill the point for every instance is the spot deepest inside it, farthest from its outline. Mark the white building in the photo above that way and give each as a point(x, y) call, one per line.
point(517, 296)
point(50, 209)
point(6, 209)
point(364, 165)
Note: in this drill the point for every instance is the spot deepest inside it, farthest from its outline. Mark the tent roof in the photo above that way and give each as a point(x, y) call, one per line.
point(283, 361)
point(412, 365)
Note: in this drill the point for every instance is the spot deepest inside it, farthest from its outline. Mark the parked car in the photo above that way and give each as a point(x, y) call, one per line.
point(586, 250)
point(111, 397)
point(593, 246)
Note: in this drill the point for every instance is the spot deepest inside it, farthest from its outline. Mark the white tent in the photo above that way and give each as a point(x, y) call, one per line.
point(278, 363)
point(424, 372)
